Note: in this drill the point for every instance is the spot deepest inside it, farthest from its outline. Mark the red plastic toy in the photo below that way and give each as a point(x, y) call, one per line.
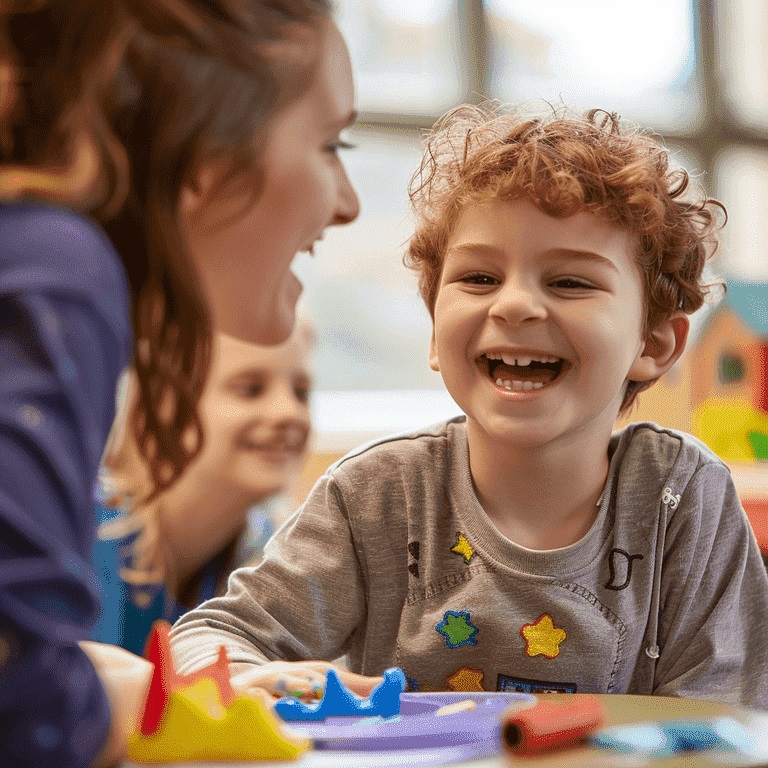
point(552, 725)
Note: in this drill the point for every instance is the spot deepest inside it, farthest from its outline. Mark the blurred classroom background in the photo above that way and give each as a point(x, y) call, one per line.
point(696, 71)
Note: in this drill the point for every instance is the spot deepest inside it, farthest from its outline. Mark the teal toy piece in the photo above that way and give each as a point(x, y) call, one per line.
point(337, 701)
point(662, 739)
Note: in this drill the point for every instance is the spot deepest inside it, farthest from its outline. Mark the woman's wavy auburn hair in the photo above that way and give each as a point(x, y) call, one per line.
point(110, 107)
point(565, 163)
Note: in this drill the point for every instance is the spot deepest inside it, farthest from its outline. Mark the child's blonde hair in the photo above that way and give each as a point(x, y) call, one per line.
point(565, 163)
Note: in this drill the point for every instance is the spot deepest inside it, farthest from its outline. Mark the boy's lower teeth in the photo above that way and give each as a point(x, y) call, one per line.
point(519, 386)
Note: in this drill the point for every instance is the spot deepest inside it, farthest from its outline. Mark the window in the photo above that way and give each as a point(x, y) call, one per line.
point(406, 54)
point(596, 54)
point(694, 70)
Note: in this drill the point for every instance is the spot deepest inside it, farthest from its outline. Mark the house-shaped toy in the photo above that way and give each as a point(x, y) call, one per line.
point(730, 357)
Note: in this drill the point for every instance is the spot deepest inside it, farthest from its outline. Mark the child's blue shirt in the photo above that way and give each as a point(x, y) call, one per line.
point(64, 339)
point(128, 611)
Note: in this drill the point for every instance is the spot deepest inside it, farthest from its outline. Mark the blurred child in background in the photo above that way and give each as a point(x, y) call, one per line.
point(158, 558)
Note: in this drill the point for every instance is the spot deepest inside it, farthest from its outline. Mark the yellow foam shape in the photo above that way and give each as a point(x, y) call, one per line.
point(724, 424)
point(205, 695)
point(195, 726)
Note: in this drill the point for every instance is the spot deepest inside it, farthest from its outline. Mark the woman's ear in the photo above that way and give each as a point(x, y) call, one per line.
point(662, 349)
point(196, 192)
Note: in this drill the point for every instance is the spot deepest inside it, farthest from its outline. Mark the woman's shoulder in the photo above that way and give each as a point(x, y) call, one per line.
point(52, 250)
point(39, 241)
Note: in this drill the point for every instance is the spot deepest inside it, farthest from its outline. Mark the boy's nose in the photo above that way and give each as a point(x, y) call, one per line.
point(518, 303)
point(284, 406)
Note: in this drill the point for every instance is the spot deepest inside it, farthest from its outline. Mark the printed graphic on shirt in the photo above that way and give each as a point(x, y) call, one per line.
point(620, 564)
point(457, 629)
point(523, 685)
point(542, 637)
point(411, 684)
point(413, 551)
point(670, 499)
point(463, 547)
point(466, 679)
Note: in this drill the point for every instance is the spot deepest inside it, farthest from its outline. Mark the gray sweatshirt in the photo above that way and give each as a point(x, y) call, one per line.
point(393, 561)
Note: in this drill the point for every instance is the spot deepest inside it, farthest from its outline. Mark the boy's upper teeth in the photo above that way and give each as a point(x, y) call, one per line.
point(512, 360)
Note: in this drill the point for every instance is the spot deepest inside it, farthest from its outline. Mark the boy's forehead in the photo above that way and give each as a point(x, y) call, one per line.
point(487, 226)
point(233, 357)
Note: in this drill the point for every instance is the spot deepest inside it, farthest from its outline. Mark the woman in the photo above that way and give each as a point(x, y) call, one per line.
point(190, 147)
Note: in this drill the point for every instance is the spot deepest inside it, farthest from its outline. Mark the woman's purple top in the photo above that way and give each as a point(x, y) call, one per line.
point(64, 339)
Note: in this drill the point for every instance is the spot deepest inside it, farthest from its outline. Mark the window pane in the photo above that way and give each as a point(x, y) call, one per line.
point(372, 326)
point(742, 28)
point(405, 53)
point(620, 55)
point(742, 181)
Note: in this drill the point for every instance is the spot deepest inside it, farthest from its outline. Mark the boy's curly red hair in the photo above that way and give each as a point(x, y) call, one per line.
point(566, 163)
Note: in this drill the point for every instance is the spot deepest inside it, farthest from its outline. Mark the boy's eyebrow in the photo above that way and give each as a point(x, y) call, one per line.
point(474, 249)
point(493, 251)
point(246, 373)
point(580, 255)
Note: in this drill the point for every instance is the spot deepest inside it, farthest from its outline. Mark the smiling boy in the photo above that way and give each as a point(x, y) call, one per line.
point(525, 546)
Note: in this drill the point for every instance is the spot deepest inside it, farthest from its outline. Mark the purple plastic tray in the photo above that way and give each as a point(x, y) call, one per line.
point(475, 732)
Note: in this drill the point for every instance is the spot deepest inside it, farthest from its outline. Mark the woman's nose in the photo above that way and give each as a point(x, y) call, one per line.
point(348, 203)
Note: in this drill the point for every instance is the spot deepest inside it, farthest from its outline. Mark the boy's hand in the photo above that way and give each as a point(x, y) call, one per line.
point(125, 678)
point(305, 679)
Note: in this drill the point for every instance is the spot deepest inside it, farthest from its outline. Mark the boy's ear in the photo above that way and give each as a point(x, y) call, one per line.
point(434, 363)
point(662, 348)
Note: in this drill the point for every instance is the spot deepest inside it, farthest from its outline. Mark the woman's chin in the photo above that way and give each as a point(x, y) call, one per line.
point(278, 322)
point(261, 318)
point(268, 322)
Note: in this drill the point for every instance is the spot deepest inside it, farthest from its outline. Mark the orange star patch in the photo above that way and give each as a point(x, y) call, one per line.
point(542, 637)
point(466, 679)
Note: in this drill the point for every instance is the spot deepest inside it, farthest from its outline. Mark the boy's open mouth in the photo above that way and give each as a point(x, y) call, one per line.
point(519, 374)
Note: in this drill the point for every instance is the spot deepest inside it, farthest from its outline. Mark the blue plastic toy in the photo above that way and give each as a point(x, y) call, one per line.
point(662, 739)
point(384, 701)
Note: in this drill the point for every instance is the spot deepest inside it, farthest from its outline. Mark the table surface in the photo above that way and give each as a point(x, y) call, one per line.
point(620, 709)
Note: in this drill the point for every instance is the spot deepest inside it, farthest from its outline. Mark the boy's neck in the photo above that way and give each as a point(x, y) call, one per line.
point(198, 521)
point(541, 498)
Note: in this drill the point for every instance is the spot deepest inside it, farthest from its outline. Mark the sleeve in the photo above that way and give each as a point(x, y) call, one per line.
point(304, 601)
point(714, 611)
point(61, 352)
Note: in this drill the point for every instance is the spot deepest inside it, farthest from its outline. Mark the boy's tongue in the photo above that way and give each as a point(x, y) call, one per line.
point(532, 373)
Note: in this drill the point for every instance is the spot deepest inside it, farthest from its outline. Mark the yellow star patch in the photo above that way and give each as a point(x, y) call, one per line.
point(542, 638)
point(463, 548)
point(466, 680)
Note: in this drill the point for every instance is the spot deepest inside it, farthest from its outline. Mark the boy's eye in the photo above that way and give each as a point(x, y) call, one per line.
point(571, 283)
point(479, 278)
point(301, 392)
point(250, 389)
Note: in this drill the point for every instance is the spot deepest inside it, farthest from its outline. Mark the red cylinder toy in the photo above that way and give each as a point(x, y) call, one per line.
point(551, 724)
